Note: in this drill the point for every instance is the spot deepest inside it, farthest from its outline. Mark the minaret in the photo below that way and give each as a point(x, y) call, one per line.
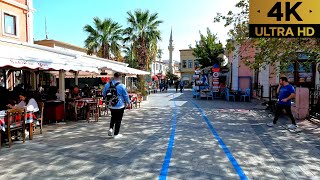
point(171, 48)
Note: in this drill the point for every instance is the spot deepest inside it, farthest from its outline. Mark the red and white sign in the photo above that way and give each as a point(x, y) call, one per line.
point(215, 74)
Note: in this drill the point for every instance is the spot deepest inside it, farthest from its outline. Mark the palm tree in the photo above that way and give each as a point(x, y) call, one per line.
point(159, 53)
point(143, 33)
point(103, 38)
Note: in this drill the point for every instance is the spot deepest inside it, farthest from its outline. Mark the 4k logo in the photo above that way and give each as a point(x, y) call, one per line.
point(284, 18)
point(276, 11)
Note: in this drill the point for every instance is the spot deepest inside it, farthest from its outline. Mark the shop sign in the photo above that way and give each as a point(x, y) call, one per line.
point(215, 74)
point(24, 62)
point(28, 63)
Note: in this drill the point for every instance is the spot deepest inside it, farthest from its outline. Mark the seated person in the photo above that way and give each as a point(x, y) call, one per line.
point(75, 94)
point(86, 91)
point(29, 103)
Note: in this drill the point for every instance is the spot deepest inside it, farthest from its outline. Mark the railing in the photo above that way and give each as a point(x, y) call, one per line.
point(273, 97)
point(314, 99)
point(259, 91)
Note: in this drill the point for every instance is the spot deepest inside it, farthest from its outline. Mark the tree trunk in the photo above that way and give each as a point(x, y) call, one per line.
point(142, 54)
point(141, 84)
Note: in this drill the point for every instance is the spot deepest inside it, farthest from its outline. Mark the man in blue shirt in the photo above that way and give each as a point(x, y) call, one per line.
point(286, 93)
point(117, 110)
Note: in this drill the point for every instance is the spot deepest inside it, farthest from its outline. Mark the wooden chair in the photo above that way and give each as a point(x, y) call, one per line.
point(139, 100)
point(73, 112)
point(14, 124)
point(93, 108)
point(39, 119)
point(102, 107)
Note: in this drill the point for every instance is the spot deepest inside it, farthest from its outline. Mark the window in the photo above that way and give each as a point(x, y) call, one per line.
point(190, 64)
point(184, 64)
point(196, 64)
point(10, 24)
point(160, 67)
point(300, 73)
point(157, 67)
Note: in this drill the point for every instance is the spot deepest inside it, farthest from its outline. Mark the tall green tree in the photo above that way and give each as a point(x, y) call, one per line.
point(171, 76)
point(130, 56)
point(208, 50)
point(103, 38)
point(143, 33)
point(268, 51)
point(159, 53)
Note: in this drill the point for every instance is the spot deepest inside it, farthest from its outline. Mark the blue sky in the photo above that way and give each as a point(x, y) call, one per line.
point(66, 18)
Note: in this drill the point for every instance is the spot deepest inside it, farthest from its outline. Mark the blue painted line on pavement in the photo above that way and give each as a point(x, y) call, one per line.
point(166, 162)
point(233, 161)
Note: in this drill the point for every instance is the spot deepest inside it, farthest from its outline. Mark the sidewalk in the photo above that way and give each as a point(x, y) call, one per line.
point(81, 150)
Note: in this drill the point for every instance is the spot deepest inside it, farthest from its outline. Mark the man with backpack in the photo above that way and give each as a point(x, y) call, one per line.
point(117, 99)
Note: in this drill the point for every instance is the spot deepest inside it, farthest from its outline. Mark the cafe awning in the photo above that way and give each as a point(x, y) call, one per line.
point(81, 74)
point(25, 56)
point(136, 71)
point(104, 64)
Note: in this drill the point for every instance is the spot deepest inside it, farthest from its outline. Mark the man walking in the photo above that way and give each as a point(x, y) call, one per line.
point(118, 104)
point(176, 85)
point(181, 86)
point(286, 93)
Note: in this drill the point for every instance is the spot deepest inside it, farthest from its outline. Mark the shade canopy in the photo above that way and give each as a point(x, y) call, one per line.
point(21, 56)
point(28, 56)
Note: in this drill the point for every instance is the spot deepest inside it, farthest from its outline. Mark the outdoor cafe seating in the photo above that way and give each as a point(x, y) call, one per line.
point(222, 93)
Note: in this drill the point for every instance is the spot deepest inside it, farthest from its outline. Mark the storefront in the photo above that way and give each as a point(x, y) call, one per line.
point(302, 73)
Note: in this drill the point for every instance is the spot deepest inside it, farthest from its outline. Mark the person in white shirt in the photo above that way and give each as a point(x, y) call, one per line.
point(29, 103)
point(25, 101)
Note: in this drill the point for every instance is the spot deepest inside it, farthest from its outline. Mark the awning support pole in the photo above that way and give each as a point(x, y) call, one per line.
point(62, 85)
point(76, 78)
point(4, 72)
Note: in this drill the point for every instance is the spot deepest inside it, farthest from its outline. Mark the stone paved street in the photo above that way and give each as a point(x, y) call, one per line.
point(78, 150)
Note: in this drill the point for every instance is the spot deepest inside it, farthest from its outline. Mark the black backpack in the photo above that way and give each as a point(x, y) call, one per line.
point(112, 94)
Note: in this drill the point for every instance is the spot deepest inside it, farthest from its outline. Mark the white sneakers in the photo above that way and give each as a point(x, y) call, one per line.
point(292, 126)
point(118, 136)
point(110, 132)
point(26, 133)
point(270, 124)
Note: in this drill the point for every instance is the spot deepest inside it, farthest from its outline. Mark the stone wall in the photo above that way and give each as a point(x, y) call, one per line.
point(300, 109)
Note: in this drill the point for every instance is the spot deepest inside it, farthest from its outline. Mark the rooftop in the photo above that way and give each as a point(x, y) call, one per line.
point(60, 44)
